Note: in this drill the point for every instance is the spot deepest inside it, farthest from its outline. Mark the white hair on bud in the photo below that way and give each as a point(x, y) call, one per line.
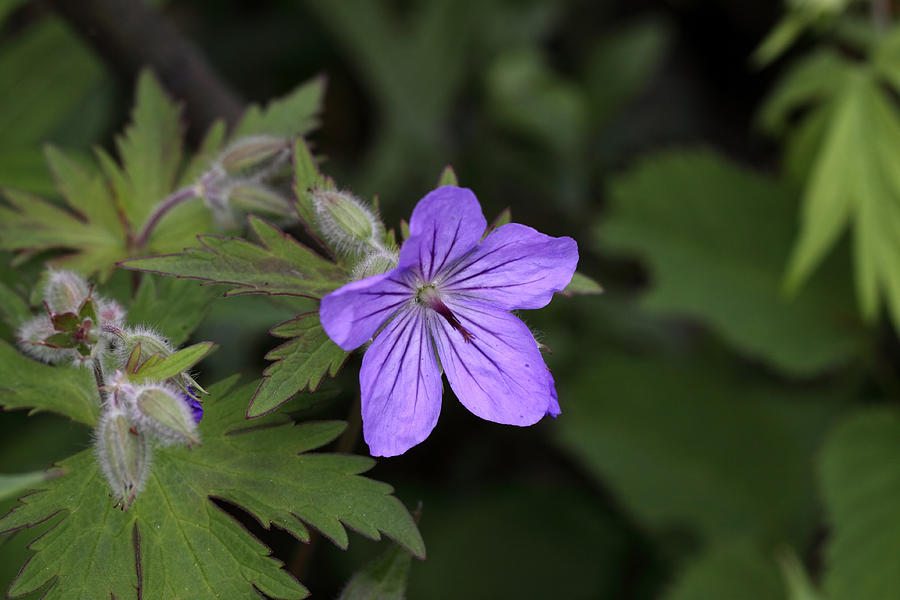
point(343, 242)
point(123, 453)
point(64, 291)
point(163, 434)
point(378, 261)
point(31, 335)
point(150, 340)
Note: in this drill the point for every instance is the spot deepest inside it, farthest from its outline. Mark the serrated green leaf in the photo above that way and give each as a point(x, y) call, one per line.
point(301, 363)
point(25, 383)
point(852, 183)
point(736, 571)
point(816, 77)
point(174, 542)
point(297, 113)
point(860, 484)
point(150, 148)
point(169, 366)
point(281, 265)
point(694, 444)
point(582, 284)
point(382, 579)
point(14, 485)
point(715, 237)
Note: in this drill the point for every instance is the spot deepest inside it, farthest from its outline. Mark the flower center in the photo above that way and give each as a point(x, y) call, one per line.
point(431, 298)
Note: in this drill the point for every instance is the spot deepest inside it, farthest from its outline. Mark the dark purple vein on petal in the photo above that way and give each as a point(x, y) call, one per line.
point(463, 266)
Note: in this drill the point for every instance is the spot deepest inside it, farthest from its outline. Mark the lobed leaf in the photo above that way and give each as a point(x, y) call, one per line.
point(279, 265)
point(175, 542)
point(714, 237)
point(25, 383)
point(175, 307)
point(295, 114)
point(301, 363)
point(582, 284)
point(12, 485)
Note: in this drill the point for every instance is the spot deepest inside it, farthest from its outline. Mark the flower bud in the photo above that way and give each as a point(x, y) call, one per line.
point(32, 336)
point(375, 262)
point(259, 200)
point(255, 156)
point(123, 453)
point(162, 411)
point(150, 341)
point(110, 312)
point(65, 291)
point(351, 228)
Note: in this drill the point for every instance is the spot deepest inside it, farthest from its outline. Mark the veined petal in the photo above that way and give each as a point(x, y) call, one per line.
point(515, 267)
point(352, 314)
point(401, 385)
point(499, 374)
point(445, 225)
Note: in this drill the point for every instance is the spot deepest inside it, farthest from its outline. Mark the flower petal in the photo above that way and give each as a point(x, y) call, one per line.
point(352, 314)
point(515, 267)
point(401, 385)
point(499, 374)
point(445, 225)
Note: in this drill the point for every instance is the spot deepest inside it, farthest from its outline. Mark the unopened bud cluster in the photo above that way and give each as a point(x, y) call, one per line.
point(354, 232)
point(82, 328)
point(74, 326)
point(245, 179)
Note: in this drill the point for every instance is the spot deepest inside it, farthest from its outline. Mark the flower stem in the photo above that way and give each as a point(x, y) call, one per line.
point(174, 199)
point(98, 379)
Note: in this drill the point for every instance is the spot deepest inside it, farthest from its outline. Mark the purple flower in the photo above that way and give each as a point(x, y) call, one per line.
point(450, 298)
point(193, 403)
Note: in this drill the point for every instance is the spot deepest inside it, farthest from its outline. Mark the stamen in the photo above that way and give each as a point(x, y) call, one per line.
point(430, 298)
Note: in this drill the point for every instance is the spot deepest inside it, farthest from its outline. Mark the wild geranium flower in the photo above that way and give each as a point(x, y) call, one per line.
point(449, 298)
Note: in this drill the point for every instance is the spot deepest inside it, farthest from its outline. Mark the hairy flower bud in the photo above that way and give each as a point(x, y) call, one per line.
point(375, 262)
point(65, 291)
point(259, 200)
point(255, 156)
point(123, 453)
point(351, 227)
point(164, 412)
point(32, 336)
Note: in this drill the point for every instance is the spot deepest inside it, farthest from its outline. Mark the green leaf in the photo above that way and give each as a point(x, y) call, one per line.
point(170, 366)
point(174, 307)
point(860, 484)
point(852, 183)
point(782, 36)
point(13, 485)
point(294, 114)
point(150, 149)
point(714, 237)
point(814, 78)
point(25, 383)
point(736, 571)
point(280, 265)
point(382, 579)
point(175, 542)
point(302, 363)
point(694, 444)
point(582, 284)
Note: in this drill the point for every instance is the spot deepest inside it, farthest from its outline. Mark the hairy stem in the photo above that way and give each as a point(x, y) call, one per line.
point(174, 199)
point(98, 379)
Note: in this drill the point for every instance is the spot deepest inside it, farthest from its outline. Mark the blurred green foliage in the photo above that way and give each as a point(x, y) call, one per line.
point(713, 421)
